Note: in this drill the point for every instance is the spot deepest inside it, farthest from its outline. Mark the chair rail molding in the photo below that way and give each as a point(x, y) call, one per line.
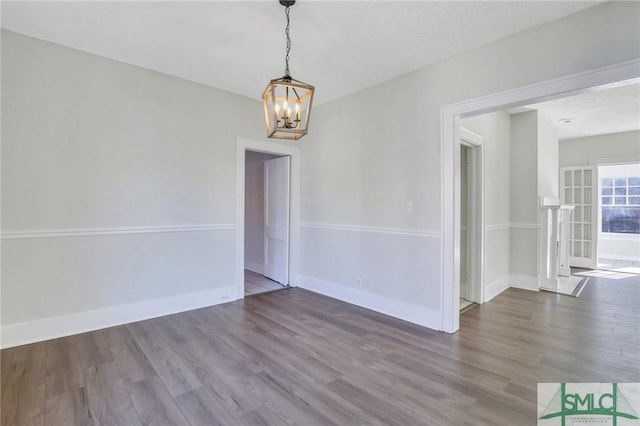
point(89, 232)
point(372, 229)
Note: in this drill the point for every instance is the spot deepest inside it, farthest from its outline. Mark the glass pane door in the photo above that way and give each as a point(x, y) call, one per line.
point(577, 186)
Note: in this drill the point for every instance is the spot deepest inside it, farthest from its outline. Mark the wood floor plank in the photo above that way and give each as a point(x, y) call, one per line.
point(130, 359)
point(92, 349)
point(333, 407)
point(215, 351)
point(381, 407)
point(419, 393)
point(6, 362)
point(68, 408)
point(286, 407)
point(263, 416)
point(201, 408)
point(170, 367)
point(226, 383)
point(263, 353)
point(154, 403)
point(169, 330)
point(23, 396)
point(64, 370)
point(414, 392)
point(495, 411)
point(108, 398)
point(32, 350)
point(262, 323)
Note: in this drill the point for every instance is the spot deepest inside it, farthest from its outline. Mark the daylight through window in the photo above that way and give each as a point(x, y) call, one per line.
point(620, 201)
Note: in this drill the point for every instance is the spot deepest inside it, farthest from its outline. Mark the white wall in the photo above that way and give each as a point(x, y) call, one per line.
point(372, 152)
point(254, 210)
point(616, 147)
point(524, 168)
point(619, 246)
point(524, 200)
point(127, 179)
point(548, 159)
point(89, 143)
point(534, 174)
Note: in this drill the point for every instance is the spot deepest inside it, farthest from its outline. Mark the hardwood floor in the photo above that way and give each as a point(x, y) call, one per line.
point(295, 357)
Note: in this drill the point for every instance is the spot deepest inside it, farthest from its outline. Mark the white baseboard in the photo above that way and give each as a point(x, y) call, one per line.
point(66, 325)
point(524, 282)
point(495, 288)
point(396, 308)
point(256, 267)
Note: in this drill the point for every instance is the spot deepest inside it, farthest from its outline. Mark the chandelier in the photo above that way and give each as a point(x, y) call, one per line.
point(286, 101)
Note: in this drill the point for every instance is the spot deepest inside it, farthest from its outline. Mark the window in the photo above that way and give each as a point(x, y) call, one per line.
point(620, 201)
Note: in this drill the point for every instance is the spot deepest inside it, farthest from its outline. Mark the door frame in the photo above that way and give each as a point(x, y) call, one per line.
point(267, 147)
point(476, 212)
point(450, 116)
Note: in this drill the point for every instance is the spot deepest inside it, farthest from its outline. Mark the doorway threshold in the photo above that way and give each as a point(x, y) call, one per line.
point(465, 305)
point(255, 283)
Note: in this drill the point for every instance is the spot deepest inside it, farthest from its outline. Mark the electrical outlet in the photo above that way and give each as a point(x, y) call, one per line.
point(359, 282)
point(410, 207)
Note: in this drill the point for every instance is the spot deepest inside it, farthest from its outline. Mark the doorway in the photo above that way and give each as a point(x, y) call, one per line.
point(465, 170)
point(284, 238)
point(266, 222)
point(450, 161)
point(471, 218)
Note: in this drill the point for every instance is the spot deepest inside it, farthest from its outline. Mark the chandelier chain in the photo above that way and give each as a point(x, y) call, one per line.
point(287, 73)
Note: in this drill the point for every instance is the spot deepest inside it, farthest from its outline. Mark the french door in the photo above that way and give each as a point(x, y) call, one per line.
point(579, 188)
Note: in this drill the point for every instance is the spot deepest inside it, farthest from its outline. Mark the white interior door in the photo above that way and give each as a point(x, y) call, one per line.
point(276, 219)
point(578, 188)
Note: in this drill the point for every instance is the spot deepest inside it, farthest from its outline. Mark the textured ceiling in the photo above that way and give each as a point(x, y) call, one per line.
point(340, 47)
point(598, 112)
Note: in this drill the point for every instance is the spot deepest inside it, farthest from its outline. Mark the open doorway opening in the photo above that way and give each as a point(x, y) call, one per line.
point(465, 170)
point(471, 218)
point(266, 222)
point(288, 234)
point(451, 116)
